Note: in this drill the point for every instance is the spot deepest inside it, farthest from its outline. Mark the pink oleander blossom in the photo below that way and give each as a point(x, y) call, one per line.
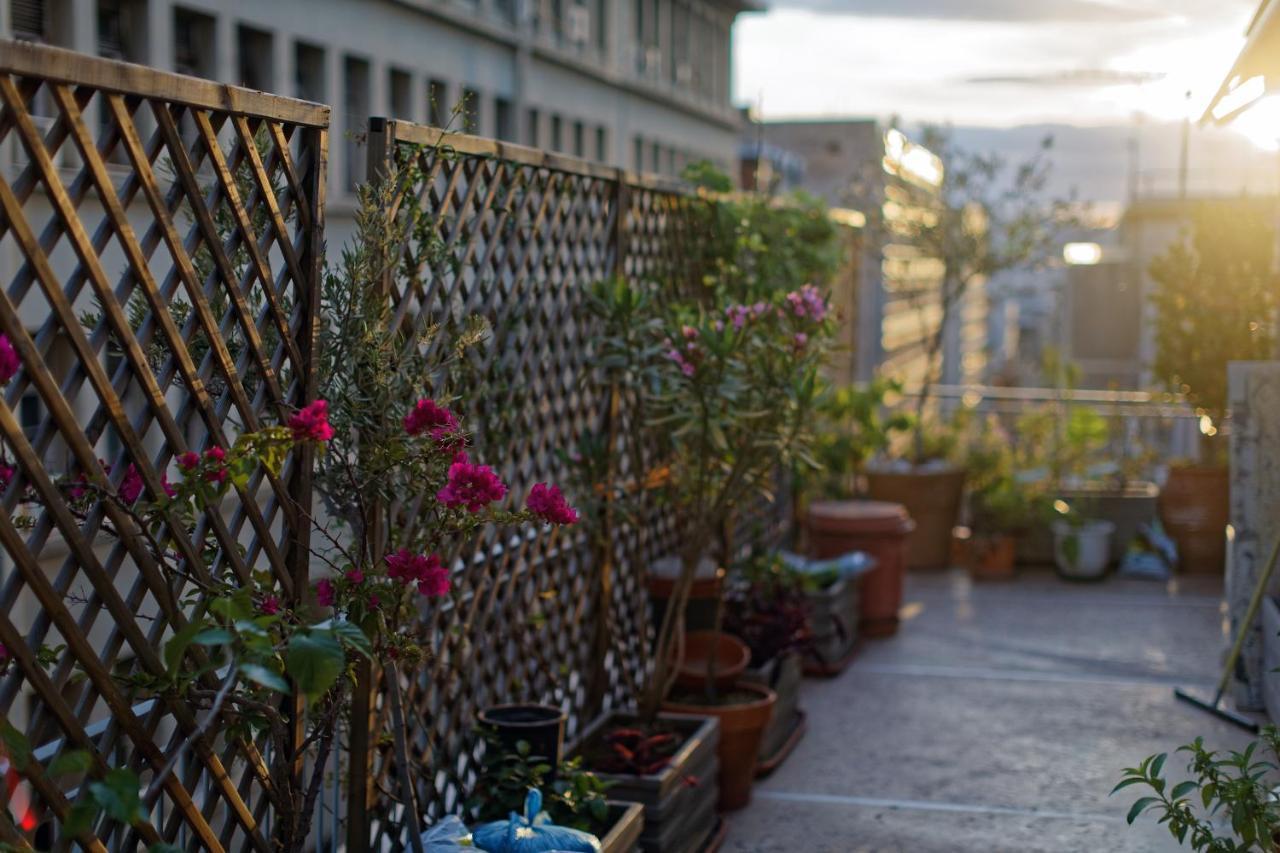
point(430, 418)
point(471, 486)
point(800, 340)
point(311, 422)
point(326, 595)
point(548, 502)
point(9, 361)
point(808, 302)
point(270, 604)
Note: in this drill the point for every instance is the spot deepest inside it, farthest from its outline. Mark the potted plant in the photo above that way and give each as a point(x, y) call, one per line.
point(1214, 299)
point(1227, 805)
point(983, 218)
point(1081, 544)
point(1003, 504)
point(767, 607)
point(571, 796)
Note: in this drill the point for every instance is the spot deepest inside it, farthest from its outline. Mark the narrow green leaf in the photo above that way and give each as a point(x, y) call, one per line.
point(1138, 807)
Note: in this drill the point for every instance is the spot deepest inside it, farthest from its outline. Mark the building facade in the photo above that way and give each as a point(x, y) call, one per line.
point(643, 84)
point(863, 165)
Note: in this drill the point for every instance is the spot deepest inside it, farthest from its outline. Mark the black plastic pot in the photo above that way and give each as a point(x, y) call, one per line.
point(542, 726)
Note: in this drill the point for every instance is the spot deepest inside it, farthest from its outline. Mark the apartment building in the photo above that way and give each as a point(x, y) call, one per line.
point(643, 84)
point(863, 165)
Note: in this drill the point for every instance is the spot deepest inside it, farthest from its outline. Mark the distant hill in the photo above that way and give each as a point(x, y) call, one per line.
point(1097, 161)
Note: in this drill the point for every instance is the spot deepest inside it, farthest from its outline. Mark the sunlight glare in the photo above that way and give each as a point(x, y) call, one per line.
point(1260, 124)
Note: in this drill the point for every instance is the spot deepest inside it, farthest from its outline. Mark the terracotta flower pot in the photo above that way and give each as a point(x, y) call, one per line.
point(731, 656)
point(882, 530)
point(741, 731)
point(1195, 508)
point(704, 598)
point(932, 499)
point(992, 557)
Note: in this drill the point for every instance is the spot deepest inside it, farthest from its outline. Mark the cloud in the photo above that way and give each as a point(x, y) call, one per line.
point(1007, 11)
point(1075, 77)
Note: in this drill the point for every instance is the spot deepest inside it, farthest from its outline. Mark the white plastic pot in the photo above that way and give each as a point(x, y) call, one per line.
point(1082, 552)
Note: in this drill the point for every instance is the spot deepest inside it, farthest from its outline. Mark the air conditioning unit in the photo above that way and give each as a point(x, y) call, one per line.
point(577, 25)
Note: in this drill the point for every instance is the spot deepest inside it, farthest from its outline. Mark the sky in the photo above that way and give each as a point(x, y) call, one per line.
point(996, 63)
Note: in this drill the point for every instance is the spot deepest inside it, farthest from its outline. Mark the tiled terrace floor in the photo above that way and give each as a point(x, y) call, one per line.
point(997, 720)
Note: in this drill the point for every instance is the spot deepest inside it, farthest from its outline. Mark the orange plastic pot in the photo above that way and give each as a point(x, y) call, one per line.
point(992, 557)
point(741, 731)
point(730, 654)
point(880, 529)
point(932, 499)
point(1195, 508)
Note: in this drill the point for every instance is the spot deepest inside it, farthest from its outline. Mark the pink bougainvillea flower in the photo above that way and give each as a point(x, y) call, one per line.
point(311, 422)
point(325, 593)
point(374, 600)
point(7, 473)
point(436, 583)
point(9, 361)
point(4, 652)
point(471, 486)
point(216, 457)
point(270, 605)
point(355, 576)
point(188, 461)
point(131, 485)
point(169, 490)
point(430, 418)
point(400, 566)
point(547, 501)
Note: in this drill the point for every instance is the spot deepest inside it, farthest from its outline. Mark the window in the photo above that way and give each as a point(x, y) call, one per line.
point(254, 58)
point(438, 106)
point(121, 25)
point(601, 28)
point(470, 111)
point(656, 161)
point(637, 155)
point(532, 132)
point(29, 20)
point(602, 144)
point(557, 133)
point(579, 139)
point(400, 94)
point(308, 70)
point(503, 120)
point(194, 39)
point(355, 74)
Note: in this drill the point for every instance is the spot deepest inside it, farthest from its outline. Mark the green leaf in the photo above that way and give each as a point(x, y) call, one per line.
point(118, 795)
point(72, 761)
point(265, 677)
point(1183, 789)
point(1158, 764)
point(17, 744)
point(162, 847)
point(349, 634)
point(314, 661)
point(1138, 807)
point(213, 637)
point(179, 643)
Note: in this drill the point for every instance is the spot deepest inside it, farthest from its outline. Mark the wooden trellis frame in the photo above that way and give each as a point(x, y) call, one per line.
point(169, 233)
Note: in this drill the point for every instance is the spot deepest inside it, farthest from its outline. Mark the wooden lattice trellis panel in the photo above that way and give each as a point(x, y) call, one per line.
point(161, 243)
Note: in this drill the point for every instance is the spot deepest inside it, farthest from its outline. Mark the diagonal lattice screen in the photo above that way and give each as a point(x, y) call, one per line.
point(160, 246)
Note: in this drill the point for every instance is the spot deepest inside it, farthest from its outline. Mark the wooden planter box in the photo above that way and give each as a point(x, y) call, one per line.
point(833, 619)
point(782, 675)
point(628, 824)
point(679, 817)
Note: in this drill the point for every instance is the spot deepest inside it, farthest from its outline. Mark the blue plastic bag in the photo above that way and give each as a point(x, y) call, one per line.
point(532, 833)
point(448, 836)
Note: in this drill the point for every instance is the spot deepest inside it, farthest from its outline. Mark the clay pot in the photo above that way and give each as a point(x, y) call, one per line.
point(880, 529)
point(932, 499)
point(741, 732)
point(542, 726)
point(992, 557)
point(704, 598)
point(1194, 509)
point(731, 656)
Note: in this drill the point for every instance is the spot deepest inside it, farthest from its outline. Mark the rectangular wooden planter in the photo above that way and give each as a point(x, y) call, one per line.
point(680, 802)
point(833, 619)
point(628, 824)
point(783, 675)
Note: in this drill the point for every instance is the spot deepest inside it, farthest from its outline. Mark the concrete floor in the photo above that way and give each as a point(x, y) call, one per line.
point(998, 719)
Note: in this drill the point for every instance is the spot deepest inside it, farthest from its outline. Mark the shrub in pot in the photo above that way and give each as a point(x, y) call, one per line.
point(1002, 505)
point(768, 608)
point(1081, 545)
point(1215, 301)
